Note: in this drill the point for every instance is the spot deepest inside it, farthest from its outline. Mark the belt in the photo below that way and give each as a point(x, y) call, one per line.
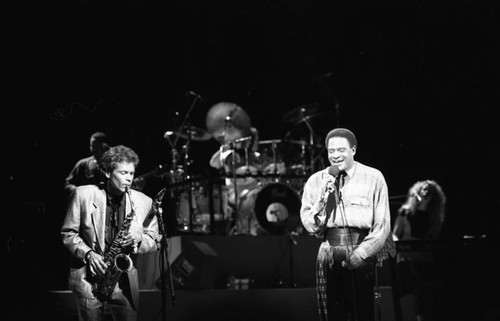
point(338, 236)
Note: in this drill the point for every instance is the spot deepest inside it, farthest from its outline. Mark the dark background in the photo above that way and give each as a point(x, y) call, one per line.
point(413, 79)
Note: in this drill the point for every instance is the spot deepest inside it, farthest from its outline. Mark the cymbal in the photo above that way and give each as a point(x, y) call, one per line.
point(270, 141)
point(302, 113)
point(227, 122)
point(191, 132)
point(303, 142)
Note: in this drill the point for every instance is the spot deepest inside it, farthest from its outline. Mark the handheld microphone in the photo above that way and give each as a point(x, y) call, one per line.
point(333, 170)
point(192, 93)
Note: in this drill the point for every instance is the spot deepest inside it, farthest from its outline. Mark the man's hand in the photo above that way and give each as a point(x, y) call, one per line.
point(96, 264)
point(354, 261)
point(132, 240)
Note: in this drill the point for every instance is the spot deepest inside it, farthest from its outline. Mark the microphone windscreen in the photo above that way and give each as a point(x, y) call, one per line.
point(333, 170)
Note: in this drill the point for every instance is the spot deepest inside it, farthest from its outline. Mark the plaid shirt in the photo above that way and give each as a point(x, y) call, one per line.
point(365, 205)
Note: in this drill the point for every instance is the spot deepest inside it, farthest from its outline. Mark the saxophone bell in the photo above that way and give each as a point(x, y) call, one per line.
point(123, 263)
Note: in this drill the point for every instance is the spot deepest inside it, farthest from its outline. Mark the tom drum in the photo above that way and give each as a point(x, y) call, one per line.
point(201, 205)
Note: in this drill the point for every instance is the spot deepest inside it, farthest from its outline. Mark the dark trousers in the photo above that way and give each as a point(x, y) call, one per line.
point(350, 295)
point(350, 292)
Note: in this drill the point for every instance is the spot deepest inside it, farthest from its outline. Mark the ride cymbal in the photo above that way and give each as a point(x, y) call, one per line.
point(227, 122)
point(303, 113)
point(191, 132)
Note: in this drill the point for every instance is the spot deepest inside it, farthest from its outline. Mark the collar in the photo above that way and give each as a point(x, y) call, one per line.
point(350, 171)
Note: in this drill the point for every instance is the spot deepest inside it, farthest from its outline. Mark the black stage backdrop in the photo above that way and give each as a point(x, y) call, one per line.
point(413, 79)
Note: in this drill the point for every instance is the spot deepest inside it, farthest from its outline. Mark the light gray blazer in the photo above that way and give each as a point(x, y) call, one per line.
point(84, 227)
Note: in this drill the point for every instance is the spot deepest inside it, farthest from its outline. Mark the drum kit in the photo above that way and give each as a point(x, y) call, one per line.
point(259, 183)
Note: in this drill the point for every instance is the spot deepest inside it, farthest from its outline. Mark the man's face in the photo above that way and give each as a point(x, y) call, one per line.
point(121, 178)
point(340, 153)
point(98, 148)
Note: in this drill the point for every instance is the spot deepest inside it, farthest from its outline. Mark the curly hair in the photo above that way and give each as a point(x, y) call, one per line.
point(118, 154)
point(430, 194)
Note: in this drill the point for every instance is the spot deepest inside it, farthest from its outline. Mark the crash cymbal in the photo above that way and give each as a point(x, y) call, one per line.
point(302, 113)
point(191, 132)
point(227, 122)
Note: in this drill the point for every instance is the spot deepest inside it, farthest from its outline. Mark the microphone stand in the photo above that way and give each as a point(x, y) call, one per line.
point(311, 140)
point(163, 258)
point(186, 160)
point(293, 242)
point(349, 235)
point(190, 184)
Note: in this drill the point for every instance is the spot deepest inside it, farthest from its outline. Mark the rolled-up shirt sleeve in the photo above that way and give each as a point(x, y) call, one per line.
point(312, 211)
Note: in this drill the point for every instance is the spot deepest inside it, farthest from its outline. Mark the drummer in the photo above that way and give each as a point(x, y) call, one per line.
point(238, 158)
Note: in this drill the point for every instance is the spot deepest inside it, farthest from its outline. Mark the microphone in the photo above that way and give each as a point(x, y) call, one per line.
point(418, 197)
point(333, 170)
point(192, 93)
point(156, 205)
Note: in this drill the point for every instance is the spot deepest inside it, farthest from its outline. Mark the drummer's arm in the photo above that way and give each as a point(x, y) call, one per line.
point(215, 161)
point(219, 157)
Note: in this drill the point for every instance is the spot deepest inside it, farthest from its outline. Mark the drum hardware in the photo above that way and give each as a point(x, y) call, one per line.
point(273, 168)
point(140, 181)
point(230, 125)
point(189, 132)
point(303, 113)
point(209, 207)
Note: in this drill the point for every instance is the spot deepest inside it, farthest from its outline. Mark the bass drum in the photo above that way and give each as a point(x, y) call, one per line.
point(270, 209)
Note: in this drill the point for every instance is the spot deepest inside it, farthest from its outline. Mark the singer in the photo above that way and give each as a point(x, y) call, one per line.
point(95, 228)
point(347, 206)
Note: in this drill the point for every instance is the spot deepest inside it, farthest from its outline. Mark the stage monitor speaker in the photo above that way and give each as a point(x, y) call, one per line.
point(195, 267)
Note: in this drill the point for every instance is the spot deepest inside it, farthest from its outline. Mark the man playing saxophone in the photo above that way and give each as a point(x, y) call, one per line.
point(104, 227)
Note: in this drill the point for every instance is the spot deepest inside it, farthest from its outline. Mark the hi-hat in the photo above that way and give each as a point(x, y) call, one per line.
point(303, 142)
point(227, 122)
point(191, 132)
point(303, 113)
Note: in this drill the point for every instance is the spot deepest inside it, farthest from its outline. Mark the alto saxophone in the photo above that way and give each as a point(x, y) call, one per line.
point(117, 259)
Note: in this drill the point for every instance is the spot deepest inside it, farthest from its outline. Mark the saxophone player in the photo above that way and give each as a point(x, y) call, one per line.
point(103, 222)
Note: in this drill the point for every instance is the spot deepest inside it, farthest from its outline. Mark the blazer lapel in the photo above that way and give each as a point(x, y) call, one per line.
point(99, 218)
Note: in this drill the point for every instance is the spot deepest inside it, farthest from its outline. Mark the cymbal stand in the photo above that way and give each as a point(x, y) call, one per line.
point(235, 185)
point(273, 149)
point(311, 142)
point(303, 158)
point(247, 148)
point(186, 158)
point(186, 118)
point(222, 139)
point(189, 179)
point(173, 169)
